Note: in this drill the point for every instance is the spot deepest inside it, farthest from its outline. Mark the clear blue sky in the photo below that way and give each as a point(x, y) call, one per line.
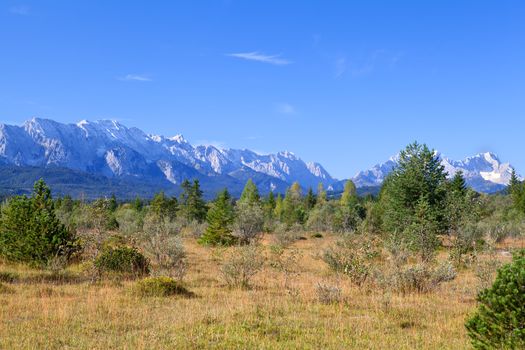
point(345, 83)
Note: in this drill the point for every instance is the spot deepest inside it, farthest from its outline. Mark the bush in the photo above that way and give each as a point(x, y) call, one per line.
point(499, 321)
point(159, 287)
point(353, 257)
point(122, 260)
point(420, 278)
point(328, 294)
point(167, 255)
point(249, 222)
point(242, 264)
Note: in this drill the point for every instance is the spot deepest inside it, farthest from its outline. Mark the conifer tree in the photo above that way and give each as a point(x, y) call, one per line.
point(310, 199)
point(192, 204)
point(220, 218)
point(30, 232)
point(418, 175)
point(413, 198)
point(250, 194)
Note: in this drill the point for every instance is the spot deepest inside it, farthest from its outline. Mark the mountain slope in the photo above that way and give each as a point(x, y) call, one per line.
point(111, 149)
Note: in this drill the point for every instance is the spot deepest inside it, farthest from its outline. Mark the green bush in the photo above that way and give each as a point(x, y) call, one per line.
point(159, 287)
point(499, 322)
point(122, 260)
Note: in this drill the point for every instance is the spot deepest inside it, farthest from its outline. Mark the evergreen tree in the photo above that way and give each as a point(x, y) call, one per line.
point(268, 206)
point(163, 207)
point(499, 322)
point(138, 204)
point(113, 204)
point(30, 232)
point(220, 218)
point(250, 194)
point(192, 204)
point(458, 184)
point(418, 176)
point(413, 198)
point(516, 190)
point(310, 200)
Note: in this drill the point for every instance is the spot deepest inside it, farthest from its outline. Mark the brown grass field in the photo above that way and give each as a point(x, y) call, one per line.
point(35, 314)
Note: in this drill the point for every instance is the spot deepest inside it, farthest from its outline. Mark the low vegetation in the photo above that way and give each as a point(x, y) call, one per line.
point(426, 264)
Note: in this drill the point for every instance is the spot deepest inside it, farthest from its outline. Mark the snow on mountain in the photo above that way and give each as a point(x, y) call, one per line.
point(109, 148)
point(484, 172)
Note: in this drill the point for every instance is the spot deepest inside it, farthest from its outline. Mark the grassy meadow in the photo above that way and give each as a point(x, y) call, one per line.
point(281, 310)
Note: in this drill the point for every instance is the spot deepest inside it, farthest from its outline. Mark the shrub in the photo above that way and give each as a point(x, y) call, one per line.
point(499, 321)
point(328, 294)
point(242, 264)
point(353, 257)
point(167, 255)
point(284, 237)
point(159, 287)
point(122, 260)
point(249, 222)
point(420, 278)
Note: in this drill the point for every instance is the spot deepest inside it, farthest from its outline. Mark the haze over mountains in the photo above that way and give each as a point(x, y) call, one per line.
point(102, 156)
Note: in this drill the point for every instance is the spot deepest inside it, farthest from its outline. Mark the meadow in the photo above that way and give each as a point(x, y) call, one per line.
point(281, 310)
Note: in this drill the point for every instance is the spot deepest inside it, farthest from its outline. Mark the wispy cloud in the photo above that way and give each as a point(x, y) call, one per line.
point(20, 10)
point(340, 67)
point(286, 108)
point(375, 60)
point(259, 57)
point(135, 77)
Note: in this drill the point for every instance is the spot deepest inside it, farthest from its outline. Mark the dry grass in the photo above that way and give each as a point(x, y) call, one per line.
point(40, 313)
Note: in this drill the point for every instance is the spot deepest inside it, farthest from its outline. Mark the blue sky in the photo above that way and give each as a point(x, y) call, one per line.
point(344, 83)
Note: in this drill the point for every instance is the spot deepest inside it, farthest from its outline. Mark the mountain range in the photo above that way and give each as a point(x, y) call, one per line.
point(92, 158)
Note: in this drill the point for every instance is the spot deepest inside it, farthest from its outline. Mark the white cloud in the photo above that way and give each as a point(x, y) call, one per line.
point(21, 10)
point(340, 67)
point(286, 108)
point(135, 77)
point(259, 57)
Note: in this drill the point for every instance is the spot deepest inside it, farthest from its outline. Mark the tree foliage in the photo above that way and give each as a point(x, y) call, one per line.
point(499, 322)
point(30, 232)
point(220, 219)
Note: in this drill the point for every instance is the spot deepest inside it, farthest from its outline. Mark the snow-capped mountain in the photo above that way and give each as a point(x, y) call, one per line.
point(483, 172)
point(114, 150)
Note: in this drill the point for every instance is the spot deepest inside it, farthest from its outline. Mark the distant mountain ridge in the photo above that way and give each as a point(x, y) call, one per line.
point(130, 156)
point(483, 172)
point(111, 149)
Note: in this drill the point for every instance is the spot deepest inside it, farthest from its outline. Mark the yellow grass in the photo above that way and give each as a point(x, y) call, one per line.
point(47, 315)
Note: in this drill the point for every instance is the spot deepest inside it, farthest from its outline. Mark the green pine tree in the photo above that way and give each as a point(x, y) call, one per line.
point(250, 194)
point(220, 218)
point(30, 232)
point(499, 322)
point(310, 200)
point(192, 205)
